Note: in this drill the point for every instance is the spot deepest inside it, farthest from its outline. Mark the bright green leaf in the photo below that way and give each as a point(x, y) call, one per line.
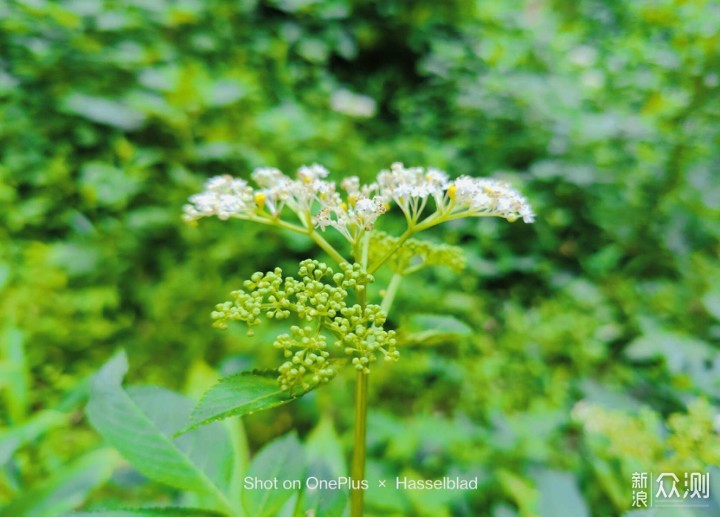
point(239, 394)
point(281, 460)
point(140, 424)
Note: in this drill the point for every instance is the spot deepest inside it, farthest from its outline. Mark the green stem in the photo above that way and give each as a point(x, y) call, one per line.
point(358, 459)
point(274, 221)
point(405, 236)
point(365, 250)
point(326, 246)
point(390, 292)
point(307, 230)
point(357, 470)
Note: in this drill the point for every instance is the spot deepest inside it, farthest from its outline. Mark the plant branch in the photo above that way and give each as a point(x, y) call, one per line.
point(405, 236)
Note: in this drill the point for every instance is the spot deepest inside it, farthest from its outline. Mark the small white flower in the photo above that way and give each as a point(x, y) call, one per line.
point(367, 211)
point(224, 197)
point(269, 177)
point(411, 187)
point(482, 196)
point(351, 185)
point(312, 172)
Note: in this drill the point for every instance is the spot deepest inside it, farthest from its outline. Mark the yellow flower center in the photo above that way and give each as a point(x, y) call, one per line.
point(260, 199)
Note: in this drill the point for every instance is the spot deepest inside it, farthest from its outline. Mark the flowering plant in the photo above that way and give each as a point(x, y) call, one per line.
point(336, 323)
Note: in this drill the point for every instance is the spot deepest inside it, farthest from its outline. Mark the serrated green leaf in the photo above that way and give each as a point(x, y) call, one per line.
point(240, 394)
point(281, 460)
point(67, 489)
point(140, 424)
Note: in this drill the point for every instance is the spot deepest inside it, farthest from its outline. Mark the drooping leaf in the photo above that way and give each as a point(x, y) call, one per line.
point(140, 424)
point(68, 488)
point(282, 460)
point(240, 394)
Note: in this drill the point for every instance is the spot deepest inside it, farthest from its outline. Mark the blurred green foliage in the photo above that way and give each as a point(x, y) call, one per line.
point(568, 354)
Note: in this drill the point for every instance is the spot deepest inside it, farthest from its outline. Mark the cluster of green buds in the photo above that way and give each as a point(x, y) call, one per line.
point(319, 300)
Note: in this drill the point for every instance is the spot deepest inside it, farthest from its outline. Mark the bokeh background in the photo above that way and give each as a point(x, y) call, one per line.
point(569, 354)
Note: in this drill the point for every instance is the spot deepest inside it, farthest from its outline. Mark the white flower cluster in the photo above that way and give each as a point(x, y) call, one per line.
point(411, 187)
point(482, 196)
point(316, 201)
point(224, 196)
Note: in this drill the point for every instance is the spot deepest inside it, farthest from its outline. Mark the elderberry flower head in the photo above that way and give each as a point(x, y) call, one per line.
point(317, 202)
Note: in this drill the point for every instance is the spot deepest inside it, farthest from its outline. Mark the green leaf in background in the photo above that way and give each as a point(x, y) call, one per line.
point(104, 111)
point(290, 507)
point(558, 494)
point(523, 493)
point(325, 461)
point(67, 489)
point(14, 375)
point(201, 378)
point(105, 185)
point(28, 431)
point(711, 301)
point(140, 424)
point(433, 329)
point(683, 354)
point(240, 394)
point(281, 460)
point(679, 351)
point(151, 512)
